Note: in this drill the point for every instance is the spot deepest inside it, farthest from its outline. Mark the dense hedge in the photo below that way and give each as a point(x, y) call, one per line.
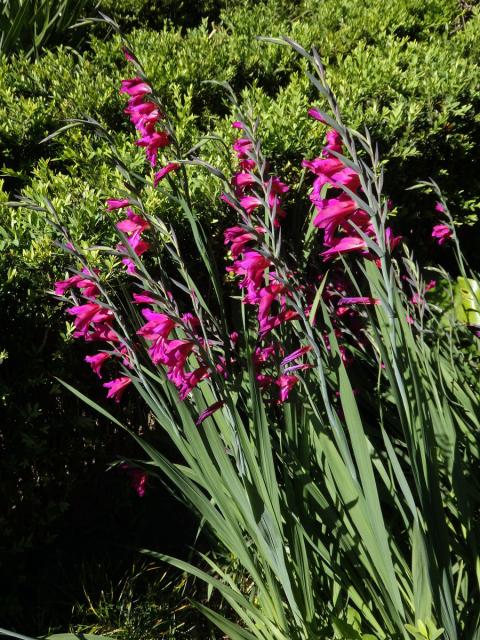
point(406, 68)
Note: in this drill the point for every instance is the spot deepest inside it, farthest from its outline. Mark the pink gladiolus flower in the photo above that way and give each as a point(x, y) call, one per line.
point(263, 354)
point(117, 204)
point(442, 233)
point(334, 142)
point(186, 382)
point(286, 384)
point(242, 146)
point(116, 388)
point(152, 143)
point(158, 324)
point(144, 298)
point(101, 333)
point(134, 224)
point(239, 238)
point(160, 175)
point(63, 285)
point(135, 87)
point(334, 211)
point(238, 124)
point(348, 244)
point(97, 361)
point(250, 203)
point(89, 313)
point(324, 166)
point(242, 180)
point(439, 207)
point(277, 186)
point(314, 113)
point(252, 267)
point(177, 352)
point(208, 412)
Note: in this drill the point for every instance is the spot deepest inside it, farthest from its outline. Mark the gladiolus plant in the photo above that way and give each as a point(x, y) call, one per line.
point(328, 425)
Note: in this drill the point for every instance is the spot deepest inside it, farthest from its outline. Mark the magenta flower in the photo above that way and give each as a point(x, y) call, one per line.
point(239, 238)
point(442, 233)
point(243, 179)
point(62, 286)
point(135, 87)
point(160, 175)
point(334, 211)
point(252, 267)
point(97, 361)
point(134, 224)
point(152, 143)
point(237, 124)
point(158, 324)
point(89, 313)
point(144, 298)
point(117, 204)
point(439, 207)
point(348, 244)
point(116, 388)
point(250, 203)
point(286, 383)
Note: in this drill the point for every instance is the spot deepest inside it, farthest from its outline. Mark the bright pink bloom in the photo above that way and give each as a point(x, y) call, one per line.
point(242, 146)
point(286, 384)
point(117, 204)
point(334, 142)
point(89, 313)
point(101, 333)
point(63, 285)
point(239, 238)
point(252, 267)
point(134, 224)
point(160, 175)
point(158, 324)
point(238, 124)
point(348, 244)
point(442, 233)
point(144, 298)
point(97, 361)
point(135, 87)
point(334, 211)
point(439, 207)
point(243, 179)
point(186, 382)
point(250, 203)
point(116, 387)
point(324, 166)
point(152, 143)
point(208, 412)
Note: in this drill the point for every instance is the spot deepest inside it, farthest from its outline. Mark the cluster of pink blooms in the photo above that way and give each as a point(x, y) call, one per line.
point(441, 232)
point(339, 216)
point(94, 321)
point(259, 280)
point(145, 115)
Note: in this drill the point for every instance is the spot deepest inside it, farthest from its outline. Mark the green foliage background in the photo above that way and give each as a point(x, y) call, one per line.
point(407, 69)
